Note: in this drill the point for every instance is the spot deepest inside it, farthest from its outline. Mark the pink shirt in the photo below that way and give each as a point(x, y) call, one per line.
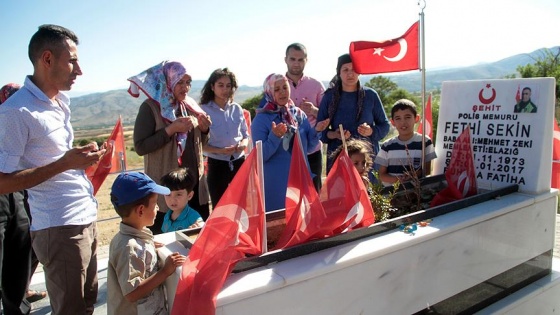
point(311, 90)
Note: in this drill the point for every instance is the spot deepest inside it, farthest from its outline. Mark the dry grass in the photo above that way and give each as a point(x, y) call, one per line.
point(107, 219)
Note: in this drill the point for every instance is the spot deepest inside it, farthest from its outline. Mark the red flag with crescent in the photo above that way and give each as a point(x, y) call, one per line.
point(460, 174)
point(428, 116)
point(304, 212)
point(399, 54)
point(233, 230)
point(555, 178)
point(345, 198)
point(111, 161)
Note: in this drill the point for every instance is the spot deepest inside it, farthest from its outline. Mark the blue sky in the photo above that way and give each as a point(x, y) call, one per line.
point(121, 38)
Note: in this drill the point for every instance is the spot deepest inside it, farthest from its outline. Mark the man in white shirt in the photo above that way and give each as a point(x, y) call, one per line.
point(37, 155)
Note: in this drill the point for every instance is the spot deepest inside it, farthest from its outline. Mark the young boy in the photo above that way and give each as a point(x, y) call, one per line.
point(134, 281)
point(401, 153)
point(181, 216)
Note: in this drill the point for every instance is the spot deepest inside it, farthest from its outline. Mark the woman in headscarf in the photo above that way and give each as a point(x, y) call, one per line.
point(358, 109)
point(275, 125)
point(170, 130)
point(8, 90)
point(228, 134)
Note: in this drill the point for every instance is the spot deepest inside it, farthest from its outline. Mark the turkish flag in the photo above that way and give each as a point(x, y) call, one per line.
point(518, 95)
point(555, 182)
point(460, 174)
point(233, 230)
point(111, 161)
point(399, 54)
point(556, 143)
point(304, 212)
point(345, 198)
point(428, 116)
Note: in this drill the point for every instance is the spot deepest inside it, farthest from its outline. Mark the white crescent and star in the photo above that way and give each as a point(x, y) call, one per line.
point(402, 52)
point(293, 194)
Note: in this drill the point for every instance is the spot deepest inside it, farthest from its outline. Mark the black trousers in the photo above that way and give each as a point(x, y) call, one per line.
point(316, 165)
point(220, 175)
point(203, 210)
point(15, 253)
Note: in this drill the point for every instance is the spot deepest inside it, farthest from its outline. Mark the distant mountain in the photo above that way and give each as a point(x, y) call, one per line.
point(102, 109)
point(494, 70)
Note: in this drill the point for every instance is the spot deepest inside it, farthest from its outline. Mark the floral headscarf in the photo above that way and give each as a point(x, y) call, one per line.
point(158, 83)
point(283, 111)
point(8, 90)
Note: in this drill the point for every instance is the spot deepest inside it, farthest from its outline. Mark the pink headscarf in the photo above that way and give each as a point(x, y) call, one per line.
point(8, 90)
point(271, 106)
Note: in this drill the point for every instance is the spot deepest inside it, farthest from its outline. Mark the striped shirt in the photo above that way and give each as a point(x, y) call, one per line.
point(398, 156)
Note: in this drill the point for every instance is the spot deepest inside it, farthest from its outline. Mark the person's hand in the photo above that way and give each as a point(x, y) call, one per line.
point(336, 135)
point(365, 130)
point(204, 122)
point(197, 224)
point(172, 262)
point(308, 108)
point(181, 124)
point(229, 150)
point(322, 125)
point(279, 130)
point(240, 147)
point(158, 244)
point(83, 156)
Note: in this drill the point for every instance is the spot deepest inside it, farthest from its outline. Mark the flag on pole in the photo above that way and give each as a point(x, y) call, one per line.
point(555, 179)
point(233, 230)
point(518, 95)
point(428, 117)
point(111, 161)
point(460, 174)
point(304, 212)
point(399, 54)
point(345, 199)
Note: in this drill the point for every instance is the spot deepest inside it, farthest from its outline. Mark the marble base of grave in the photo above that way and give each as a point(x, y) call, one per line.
point(490, 257)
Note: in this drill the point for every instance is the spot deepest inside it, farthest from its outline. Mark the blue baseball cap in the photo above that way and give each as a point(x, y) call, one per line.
point(129, 187)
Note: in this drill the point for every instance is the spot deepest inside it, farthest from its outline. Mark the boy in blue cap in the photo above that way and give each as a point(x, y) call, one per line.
point(134, 281)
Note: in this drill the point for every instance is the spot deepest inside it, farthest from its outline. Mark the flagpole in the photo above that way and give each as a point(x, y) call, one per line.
point(260, 168)
point(422, 54)
point(342, 137)
point(121, 154)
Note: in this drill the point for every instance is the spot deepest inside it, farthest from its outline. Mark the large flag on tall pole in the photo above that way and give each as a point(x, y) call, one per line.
point(460, 174)
point(304, 211)
point(394, 55)
point(427, 117)
point(233, 230)
point(114, 159)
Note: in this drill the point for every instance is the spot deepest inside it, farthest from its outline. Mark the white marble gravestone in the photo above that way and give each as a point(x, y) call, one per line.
point(508, 147)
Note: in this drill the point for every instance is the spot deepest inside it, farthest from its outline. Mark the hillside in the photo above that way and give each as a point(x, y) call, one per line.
point(101, 109)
